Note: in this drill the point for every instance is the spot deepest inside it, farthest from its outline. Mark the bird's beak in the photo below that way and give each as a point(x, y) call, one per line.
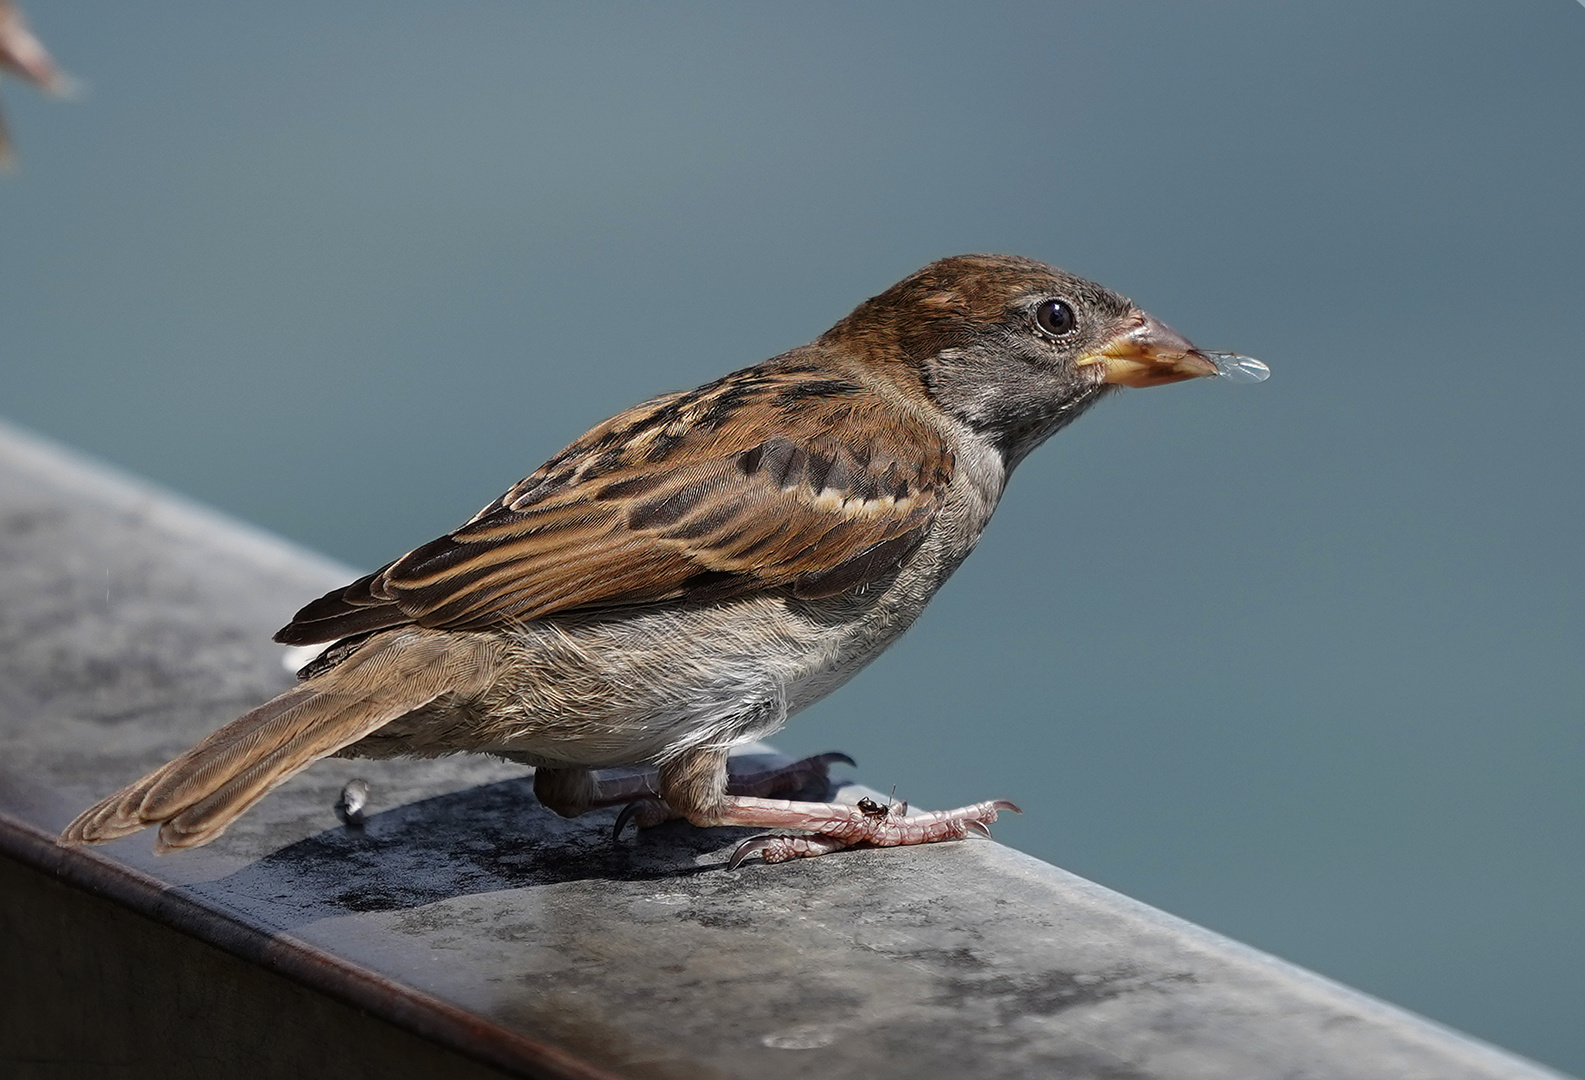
point(1150, 353)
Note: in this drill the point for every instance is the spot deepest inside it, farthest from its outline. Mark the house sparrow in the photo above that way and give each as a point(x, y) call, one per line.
point(695, 570)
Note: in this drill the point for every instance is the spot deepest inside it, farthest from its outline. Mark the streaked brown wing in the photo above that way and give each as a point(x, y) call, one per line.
point(709, 494)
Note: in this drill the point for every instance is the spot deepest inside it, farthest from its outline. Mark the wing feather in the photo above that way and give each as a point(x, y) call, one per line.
point(747, 484)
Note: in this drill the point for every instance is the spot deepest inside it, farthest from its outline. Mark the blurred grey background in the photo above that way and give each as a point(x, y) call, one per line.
point(1303, 661)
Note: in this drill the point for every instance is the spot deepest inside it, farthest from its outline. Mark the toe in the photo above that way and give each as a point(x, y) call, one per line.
point(754, 845)
point(643, 813)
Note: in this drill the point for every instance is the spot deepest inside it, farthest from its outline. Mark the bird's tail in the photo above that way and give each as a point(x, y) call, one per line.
point(195, 797)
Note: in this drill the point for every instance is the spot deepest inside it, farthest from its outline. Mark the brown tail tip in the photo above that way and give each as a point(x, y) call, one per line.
point(101, 822)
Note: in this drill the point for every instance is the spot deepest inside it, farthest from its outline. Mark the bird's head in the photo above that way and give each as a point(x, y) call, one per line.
point(1014, 348)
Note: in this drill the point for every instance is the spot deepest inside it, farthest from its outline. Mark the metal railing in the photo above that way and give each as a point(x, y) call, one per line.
point(466, 931)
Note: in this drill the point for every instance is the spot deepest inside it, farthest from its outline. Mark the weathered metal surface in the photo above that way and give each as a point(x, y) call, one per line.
point(467, 914)
point(92, 989)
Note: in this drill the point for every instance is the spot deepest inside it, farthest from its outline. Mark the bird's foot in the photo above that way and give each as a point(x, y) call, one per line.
point(834, 826)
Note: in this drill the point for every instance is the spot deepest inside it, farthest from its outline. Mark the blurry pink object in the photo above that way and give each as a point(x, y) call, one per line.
point(22, 54)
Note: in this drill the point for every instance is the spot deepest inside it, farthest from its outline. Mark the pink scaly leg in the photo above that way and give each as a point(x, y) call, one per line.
point(639, 791)
point(836, 826)
point(697, 786)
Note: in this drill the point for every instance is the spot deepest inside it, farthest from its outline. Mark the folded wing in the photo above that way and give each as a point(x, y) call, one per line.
point(766, 479)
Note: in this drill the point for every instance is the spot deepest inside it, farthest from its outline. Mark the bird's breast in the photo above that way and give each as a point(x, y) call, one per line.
point(878, 616)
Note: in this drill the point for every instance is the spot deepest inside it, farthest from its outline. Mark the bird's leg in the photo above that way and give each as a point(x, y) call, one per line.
point(651, 809)
point(573, 791)
point(696, 786)
point(836, 826)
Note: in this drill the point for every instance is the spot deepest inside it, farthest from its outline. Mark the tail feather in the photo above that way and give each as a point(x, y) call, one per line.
point(196, 796)
point(259, 730)
point(201, 821)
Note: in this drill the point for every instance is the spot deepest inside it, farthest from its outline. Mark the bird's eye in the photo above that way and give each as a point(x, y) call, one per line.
point(1056, 318)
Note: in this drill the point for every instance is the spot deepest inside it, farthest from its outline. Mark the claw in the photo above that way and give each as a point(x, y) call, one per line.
point(627, 814)
point(750, 847)
point(977, 827)
point(835, 757)
point(1003, 804)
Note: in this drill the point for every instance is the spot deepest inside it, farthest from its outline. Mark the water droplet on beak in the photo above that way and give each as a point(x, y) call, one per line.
point(1239, 369)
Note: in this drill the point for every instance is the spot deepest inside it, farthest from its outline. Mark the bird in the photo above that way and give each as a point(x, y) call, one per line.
point(693, 571)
